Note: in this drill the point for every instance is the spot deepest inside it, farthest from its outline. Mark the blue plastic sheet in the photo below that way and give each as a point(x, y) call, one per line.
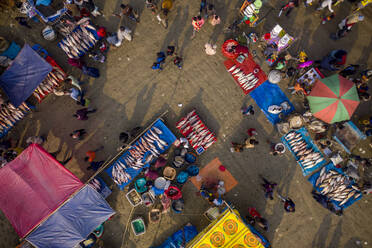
point(264, 241)
point(268, 94)
point(167, 136)
point(91, 44)
point(23, 76)
point(180, 238)
point(310, 144)
point(12, 51)
point(328, 167)
point(43, 2)
point(73, 222)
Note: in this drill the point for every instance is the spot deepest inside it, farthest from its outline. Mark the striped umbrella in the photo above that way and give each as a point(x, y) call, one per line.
point(333, 99)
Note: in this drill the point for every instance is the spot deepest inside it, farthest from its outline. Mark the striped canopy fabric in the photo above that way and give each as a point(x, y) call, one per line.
point(333, 99)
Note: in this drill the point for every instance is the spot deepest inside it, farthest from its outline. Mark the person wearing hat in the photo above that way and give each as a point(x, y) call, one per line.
point(346, 25)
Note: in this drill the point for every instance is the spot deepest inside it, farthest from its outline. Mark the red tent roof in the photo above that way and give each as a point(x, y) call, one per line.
point(32, 186)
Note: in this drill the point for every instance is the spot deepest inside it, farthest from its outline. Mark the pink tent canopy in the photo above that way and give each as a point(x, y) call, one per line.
point(32, 186)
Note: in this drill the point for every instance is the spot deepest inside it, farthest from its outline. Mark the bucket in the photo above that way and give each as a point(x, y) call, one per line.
point(138, 226)
point(48, 33)
point(160, 183)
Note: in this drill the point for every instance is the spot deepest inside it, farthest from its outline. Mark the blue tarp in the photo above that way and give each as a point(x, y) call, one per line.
point(23, 76)
point(180, 238)
point(328, 167)
point(310, 144)
point(12, 51)
point(268, 94)
point(167, 136)
point(73, 222)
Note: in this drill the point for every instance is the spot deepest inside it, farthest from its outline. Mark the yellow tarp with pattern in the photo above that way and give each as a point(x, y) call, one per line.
point(227, 231)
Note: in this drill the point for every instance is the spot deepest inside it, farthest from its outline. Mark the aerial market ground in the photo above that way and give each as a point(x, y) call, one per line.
point(130, 94)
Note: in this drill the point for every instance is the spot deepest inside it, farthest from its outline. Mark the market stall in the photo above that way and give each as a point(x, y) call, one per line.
point(47, 17)
point(272, 101)
point(80, 40)
point(53, 79)
point(196, 132)
point(155, 141)
point(246, 73)
point(276, 41)
point(310, 77)
point(228, 231)
point(336, 186)
point(349, 136)
point(306, 153)
point(100, 186)
point(64, 211)
point(333, 99)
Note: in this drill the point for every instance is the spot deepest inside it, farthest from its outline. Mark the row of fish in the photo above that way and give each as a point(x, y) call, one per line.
point(305, 155)
point(51, 81)
point(195, 131)
point(246, 81)
point(150, 143)
point(336, 186)
point(79, 41)
point(9, 115)
point(96, 184)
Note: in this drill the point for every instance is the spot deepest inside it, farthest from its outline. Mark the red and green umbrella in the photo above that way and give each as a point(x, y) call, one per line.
point(333, 99)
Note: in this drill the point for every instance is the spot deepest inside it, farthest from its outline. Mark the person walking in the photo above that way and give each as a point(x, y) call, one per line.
point(255, 217)
point(159, 61)
point(236, 147)
point(251, 132)
point(268, 188)
point(346, 25)
point(74, 82)
point(289, 205)
point(82, 114)
point(210, 49)
point(78, 134)
point(288, 7)
point(128, 11)
point(117, 38)
point(250, 142)
point(197, 23)
point(23, 22)
point(91, 154)
point(324, 4)
point(248, 110)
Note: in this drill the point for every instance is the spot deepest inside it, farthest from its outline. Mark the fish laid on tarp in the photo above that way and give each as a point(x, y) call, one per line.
point(336, 186)
point(149, 142)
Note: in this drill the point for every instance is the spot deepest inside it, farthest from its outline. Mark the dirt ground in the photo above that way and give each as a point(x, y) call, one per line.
point(130, 94)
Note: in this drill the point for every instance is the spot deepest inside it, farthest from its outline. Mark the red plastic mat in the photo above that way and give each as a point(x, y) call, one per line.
point(246, 67)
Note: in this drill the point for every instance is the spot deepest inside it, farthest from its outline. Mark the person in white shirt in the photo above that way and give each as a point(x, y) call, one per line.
point(117, 38)
point(326, 3)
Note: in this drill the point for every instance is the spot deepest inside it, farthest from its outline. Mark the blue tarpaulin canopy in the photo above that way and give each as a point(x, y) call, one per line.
point(73, 222)
point(23, 76)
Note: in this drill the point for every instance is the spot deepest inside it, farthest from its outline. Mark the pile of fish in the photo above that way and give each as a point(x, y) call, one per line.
point(195, 131)
point(78, 42)
point(133, 158)
point(96, 184)
point(308, 157)
point(9, 115)
point(51, 81)
point(246, 81)
point(336, 186)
